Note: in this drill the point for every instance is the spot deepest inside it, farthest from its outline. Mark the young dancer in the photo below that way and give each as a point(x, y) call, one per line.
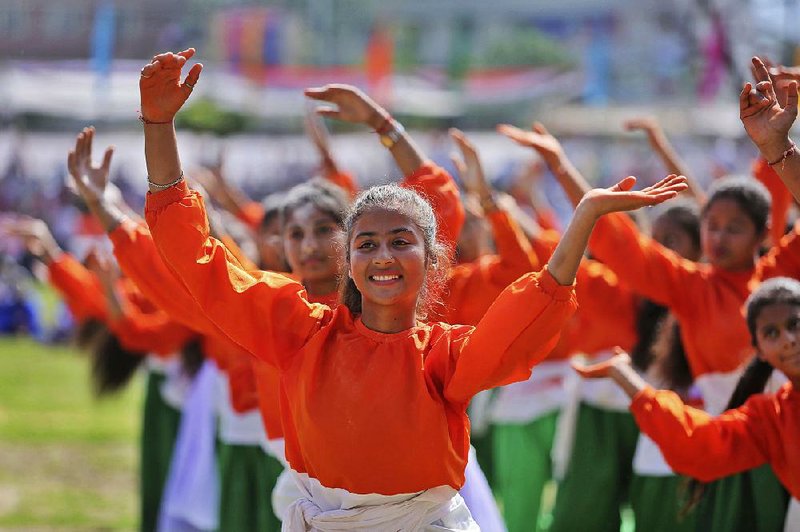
point(374, 400)
point(756, 428)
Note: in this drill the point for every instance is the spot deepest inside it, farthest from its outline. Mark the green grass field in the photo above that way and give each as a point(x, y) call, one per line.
point(67, 460)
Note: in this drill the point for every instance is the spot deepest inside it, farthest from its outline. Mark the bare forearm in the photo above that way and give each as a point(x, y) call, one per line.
point(564, 263)
point(570, 179)
point(627, 379)
point(109, 216)
point(161, 154)
point(675, 164)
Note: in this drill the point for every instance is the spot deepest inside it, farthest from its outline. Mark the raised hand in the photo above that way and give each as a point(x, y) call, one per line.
point(620, 197)
point(349, 104)
point(538, 138)
point(161, 91)
point(765, 120)
point(90, 179)
point(603, 370)
point(35, 234)
point(648, 124)
point(469, 165)
point(102, 265)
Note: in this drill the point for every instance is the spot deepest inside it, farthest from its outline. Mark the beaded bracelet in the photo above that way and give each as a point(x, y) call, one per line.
point(167, 185)
point(789, 151)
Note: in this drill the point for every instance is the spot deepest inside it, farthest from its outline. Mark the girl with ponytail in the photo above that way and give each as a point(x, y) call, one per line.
point(756, 428)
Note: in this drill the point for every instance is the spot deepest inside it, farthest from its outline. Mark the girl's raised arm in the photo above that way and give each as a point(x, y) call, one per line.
point(265, 313)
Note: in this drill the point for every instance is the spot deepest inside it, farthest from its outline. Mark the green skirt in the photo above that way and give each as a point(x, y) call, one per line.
point(522, 469)
point(159, 430)
point(657, 503)
point(753, 501)
point(247, 477)
point(595, 486)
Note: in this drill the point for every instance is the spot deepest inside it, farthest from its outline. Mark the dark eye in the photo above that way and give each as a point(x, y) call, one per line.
point(324, 230)
point(793, 324)
point(400, 242)
point(367, 244)
point(770, 333)
point(296, 235)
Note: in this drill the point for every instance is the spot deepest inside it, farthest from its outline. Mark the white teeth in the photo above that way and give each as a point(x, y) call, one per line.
point(385, 277)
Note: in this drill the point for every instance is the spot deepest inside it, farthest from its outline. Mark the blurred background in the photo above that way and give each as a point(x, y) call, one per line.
point(580, 66)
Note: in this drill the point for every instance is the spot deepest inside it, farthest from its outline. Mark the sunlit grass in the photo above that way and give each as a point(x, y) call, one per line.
point(66, 458)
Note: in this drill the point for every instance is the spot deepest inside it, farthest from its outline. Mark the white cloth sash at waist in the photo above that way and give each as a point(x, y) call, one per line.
point(176, 384)
point(323, 509)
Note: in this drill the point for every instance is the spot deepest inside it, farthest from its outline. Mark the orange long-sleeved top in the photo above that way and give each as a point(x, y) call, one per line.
point(436, 185)
point(706, 300)
point(364, 411)
point(472, 287)
point(139, 259)
point(782, 260)
point(781, 197)
point(140, 328)
point(765, 429)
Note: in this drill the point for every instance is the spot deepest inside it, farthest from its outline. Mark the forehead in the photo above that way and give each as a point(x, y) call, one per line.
point(777, 314)
point(308, 214)
point(383, 221)
point(726, 209)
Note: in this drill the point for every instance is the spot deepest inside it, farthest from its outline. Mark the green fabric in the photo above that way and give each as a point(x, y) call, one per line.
point(484, 450)
point(523, 468)
point(595, 486)
point(657, 503)
point(247, 477)
point(753, 501)
point(159, 430)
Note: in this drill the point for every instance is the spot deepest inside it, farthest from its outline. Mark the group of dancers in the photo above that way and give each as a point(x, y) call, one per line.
point(328, 368)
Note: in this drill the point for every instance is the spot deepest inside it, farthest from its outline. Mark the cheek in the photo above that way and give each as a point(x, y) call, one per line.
point(292, 251)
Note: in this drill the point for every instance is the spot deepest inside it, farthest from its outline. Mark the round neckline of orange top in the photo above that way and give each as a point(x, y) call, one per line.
point(381, 336)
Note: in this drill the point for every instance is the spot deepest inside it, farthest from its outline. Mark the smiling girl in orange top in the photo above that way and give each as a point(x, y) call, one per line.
point(375, 400)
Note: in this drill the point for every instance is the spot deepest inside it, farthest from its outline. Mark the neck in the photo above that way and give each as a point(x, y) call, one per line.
point(321, 287)
point(388, 319)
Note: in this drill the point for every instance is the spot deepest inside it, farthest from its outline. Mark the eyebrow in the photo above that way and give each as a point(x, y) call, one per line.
point(392, 232)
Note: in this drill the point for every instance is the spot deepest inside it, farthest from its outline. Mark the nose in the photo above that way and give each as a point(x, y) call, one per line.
point(789, 337)
point(308, 245)
point(383, 257)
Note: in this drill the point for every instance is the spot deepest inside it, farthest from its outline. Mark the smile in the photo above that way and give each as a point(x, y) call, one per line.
point(384, 278)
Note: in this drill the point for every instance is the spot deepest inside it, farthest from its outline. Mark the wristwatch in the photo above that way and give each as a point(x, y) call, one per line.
point(390, 137)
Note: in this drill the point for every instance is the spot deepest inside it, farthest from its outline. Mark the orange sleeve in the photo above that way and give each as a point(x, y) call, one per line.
point(547, 219)
point(138, 258)
point(80, 288)
point(515, 252)
point(344, 180)
point(152, 332)
point(544, 244)
point(607, 310)
point(237, 252)
point(251, 214)
point(518, 331)
point(265, 313)
point(647, 267)
point(781, 198)
point(438, 187)
point(696, 444)
point(783, 259)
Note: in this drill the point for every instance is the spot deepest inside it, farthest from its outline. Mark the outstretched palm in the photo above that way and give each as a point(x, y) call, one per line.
point(470, 168)
point(620, 197)
point(160, 88)
point(765, 120)
point(603, 369)
point(351, 104)
point(90, 179)
point(538, 138)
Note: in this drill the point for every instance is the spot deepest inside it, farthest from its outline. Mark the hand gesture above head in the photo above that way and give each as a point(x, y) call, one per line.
point(161, 91)
point(469, 165)
point(34, 233)
point(90, 179)
point(766, 121)
point(620, 197)
point(538, 138)
point(349, 104)
point(103, 266)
